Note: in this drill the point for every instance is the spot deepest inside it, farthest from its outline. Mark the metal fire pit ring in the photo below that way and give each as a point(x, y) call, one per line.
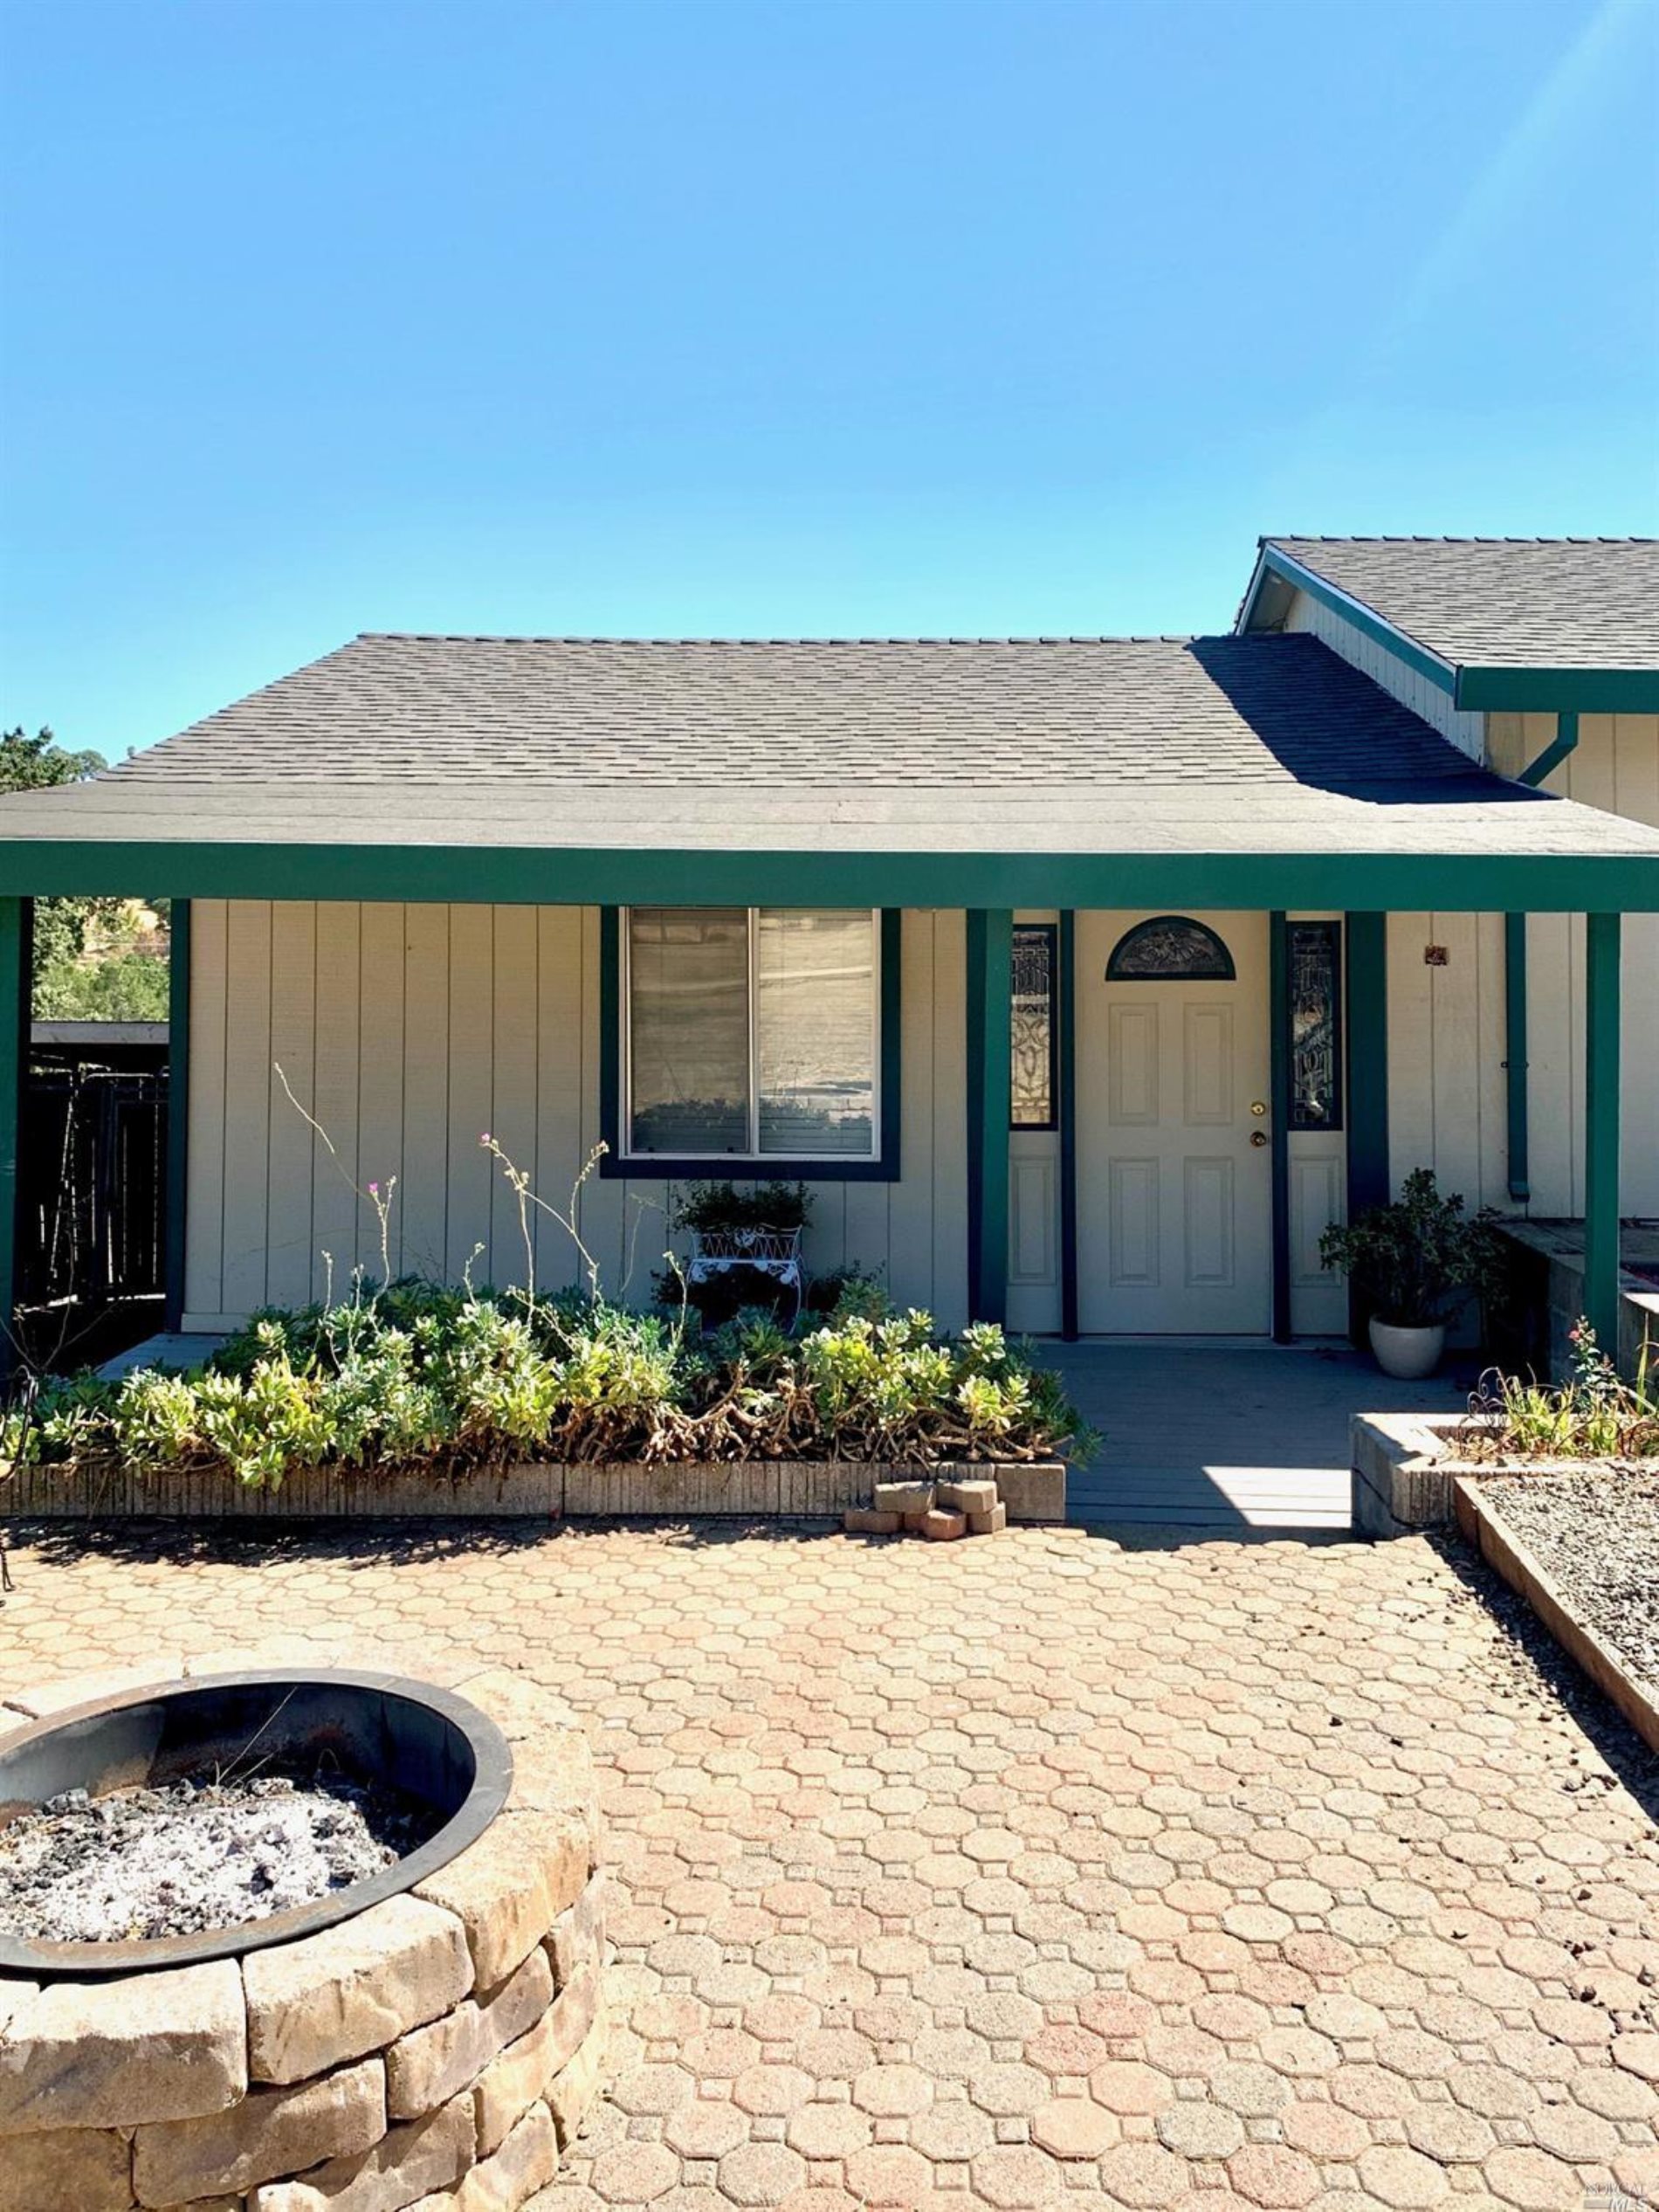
point(451, 1755)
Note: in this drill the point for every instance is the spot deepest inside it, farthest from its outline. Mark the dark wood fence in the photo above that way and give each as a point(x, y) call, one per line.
point(92, 1168)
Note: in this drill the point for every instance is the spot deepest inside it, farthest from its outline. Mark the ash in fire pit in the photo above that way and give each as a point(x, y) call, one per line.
point(200, 1852)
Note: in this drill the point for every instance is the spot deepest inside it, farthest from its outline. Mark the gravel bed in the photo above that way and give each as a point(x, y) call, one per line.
point(140, 1864)
point(1598, 1535)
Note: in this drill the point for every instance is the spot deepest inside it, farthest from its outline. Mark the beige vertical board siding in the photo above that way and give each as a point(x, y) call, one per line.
point(910, 1210)
point(1453, 998)
point(948, 1190)
point(559, 1084)
point(1552, 1132)
point(426, 1089)
point(471, 1091)
point(1427, 701)
point(204, 1182)
point(292, 1248)
point(868, 1232)
point(512, 1114)
point(1411, 1047)
point(1448, 1087)
point(410, 1030)
point(334, 1172)
point(247, 1104)
point(379, 1080)
point(826, 1239)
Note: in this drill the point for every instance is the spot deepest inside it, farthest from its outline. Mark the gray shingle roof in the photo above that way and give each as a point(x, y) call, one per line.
point(1262, 744)
point(1503, 603)
point(550, 712)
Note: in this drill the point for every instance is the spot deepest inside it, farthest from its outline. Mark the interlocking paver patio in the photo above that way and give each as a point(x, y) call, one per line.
point(1038, 1869)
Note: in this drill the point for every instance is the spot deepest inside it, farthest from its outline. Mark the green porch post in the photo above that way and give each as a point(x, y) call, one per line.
point(178, 1107)
point(16, 935)
point(1601, 1129)
point(990, 980)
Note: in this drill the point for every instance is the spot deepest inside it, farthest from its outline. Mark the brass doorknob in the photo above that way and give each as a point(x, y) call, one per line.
point(1258, 1137)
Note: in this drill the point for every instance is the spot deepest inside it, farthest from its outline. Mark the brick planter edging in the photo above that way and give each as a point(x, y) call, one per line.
point(440, 2049)
point(746, 1489)
point(1484, 1526)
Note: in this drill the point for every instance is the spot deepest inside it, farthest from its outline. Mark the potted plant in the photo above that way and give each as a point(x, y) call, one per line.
point(1417, 1260)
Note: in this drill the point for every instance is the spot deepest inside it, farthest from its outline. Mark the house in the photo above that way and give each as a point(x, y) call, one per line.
point(1084, 980)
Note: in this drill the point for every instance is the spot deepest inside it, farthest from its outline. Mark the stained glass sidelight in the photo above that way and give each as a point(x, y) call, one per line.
point(1033, 1026)
point(1170, 948)
point(1314, 950)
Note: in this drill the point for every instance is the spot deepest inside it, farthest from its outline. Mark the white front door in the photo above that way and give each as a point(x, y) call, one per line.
point(1174, 1168)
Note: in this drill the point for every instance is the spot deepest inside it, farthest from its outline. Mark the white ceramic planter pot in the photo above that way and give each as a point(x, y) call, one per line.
point(1408, 1354)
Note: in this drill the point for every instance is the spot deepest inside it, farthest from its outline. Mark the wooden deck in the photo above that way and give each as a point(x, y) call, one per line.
point(1223, 1437)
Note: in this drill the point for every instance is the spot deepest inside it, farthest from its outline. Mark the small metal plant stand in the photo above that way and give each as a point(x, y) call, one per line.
point(772, 1252)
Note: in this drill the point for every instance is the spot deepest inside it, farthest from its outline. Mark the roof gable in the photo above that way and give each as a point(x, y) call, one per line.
point(1557, 624)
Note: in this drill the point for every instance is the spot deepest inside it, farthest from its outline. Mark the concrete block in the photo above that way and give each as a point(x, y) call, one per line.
point(967, 1497)
point(941, 1528)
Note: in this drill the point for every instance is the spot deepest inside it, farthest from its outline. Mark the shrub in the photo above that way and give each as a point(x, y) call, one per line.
point(721, 1205)
point(413, 1376)
point(1419, 1257)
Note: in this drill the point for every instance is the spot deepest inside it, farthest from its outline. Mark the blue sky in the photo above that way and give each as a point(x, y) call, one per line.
point(782, 319)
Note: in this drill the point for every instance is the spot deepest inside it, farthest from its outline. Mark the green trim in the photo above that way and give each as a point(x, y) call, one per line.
point(178, 1107)
point(1448, 882)
point(1515, 1056)
point(1278, 995)
point(658, 1168)
point(1067, 1008)
point(990, 961)
point(1542, 691)
point(1601, 1129)
point(17, 948)
point(1366, 1043)
point(1565, 741)
point(1441, 673)
point(1516, 1085)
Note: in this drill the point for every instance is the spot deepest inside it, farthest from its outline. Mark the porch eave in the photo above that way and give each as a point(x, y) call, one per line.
point(1448, 880)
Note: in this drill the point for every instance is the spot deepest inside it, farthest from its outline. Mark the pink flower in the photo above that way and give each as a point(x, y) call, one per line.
point(373, 1190)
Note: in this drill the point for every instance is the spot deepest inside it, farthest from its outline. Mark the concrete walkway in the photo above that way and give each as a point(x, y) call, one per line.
point(1226, 1437)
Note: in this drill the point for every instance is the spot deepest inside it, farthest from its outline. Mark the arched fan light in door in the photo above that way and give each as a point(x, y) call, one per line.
point(1170, 948)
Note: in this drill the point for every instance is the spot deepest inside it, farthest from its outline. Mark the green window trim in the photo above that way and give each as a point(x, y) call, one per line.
point(615, 1164)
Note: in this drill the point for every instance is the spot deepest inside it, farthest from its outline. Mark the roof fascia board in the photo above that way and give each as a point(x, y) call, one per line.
point(1441, 673)
point(1476, 883)
point(1558, 691)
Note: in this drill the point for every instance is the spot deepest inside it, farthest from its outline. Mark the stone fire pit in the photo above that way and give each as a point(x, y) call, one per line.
point(431, 2036)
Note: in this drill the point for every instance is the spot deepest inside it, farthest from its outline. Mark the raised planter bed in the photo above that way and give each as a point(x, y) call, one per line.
point(747, 1489)
point(1582, 1547)
point(1578, 1540)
